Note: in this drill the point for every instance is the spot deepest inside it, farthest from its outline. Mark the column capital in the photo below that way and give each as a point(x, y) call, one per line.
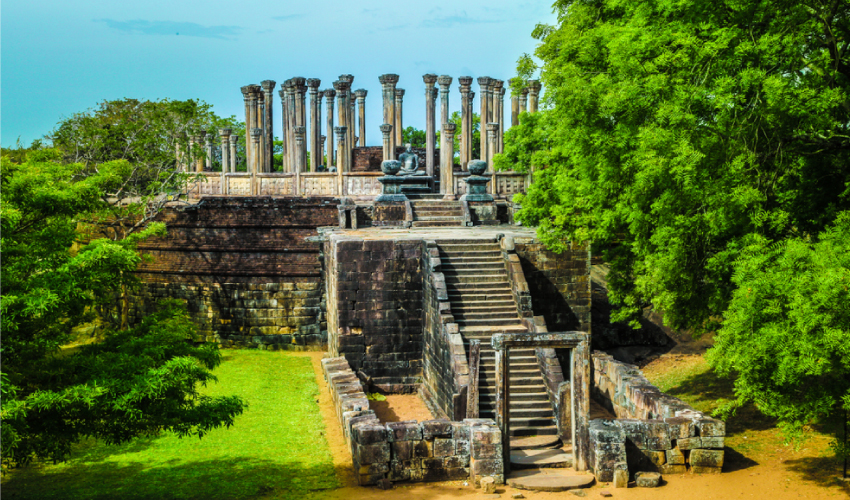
point(444, 81)
point(225, 132)
point(255, 89)
point(465, 82)
point(502, 93)
point(485, 81)
point(346, 78)
point(234, 139)
point(282, 93)
point(534, 86)
point(255, 134)
point(361, 93)
point(498, 84)
point(492, 127)
point(298, 81)
point(429, 78)
point(449, 128)
point(246, 92)
point(268, 85)
point(524, 91)
point(300, 131)
point(389, 78)
point(399, 93)
point(313, 83)
point(321, 94)
point(341, 86)
point(386, 128)
point(330, 93)
point(340, 131)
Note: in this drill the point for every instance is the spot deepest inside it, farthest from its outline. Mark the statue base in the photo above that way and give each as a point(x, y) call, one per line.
point(391, 189)
point(476, 188)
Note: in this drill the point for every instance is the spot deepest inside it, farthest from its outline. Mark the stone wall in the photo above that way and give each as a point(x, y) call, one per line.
point(433, 450)
point(369, 158)
point(445, 367)
point(559, 284)
point(657, 432)
point(375, 315)
point(245, 268)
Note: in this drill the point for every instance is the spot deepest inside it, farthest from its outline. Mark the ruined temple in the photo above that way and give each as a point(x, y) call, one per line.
point(408, 269)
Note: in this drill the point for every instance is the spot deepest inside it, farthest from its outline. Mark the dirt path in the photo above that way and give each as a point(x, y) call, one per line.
point(778, 476)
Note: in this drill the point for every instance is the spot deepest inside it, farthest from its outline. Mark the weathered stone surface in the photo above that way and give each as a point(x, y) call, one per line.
point(647, 479)
point(710, 427)
point(409, 430)
point(706, 458)
point(675, 457)
point(488, 485)
point(549, 480)
point(702, 469)
point(437, 428)
point(373, 453)
point(671, 469)
point(621, 478)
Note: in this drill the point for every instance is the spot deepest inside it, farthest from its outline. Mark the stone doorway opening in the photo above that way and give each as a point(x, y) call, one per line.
point(573, 414)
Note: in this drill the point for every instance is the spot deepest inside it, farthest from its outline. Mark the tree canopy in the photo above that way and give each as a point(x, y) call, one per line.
point(702, 147)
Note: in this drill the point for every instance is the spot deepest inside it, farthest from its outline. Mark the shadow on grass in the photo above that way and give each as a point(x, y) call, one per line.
point(735, 461)
point(707, 388)
point(236, 478)
point(825, 471)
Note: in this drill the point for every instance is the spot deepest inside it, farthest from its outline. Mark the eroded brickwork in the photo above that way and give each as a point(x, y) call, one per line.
point(245, 268)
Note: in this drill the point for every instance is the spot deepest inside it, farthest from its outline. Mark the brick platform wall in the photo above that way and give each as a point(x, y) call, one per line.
point(245, 269)
point(375, 314)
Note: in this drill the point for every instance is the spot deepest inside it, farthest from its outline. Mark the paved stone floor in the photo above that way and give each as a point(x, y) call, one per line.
point(430, 233)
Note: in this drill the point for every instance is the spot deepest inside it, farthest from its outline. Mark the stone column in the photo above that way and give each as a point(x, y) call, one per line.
point(340, 132)
point(492, 130)
point(315, 128)
point(246, 96)
point(329, 100)
point(322, 141)
point(484, 83)
point(388, 83)
point(471, 113)
point(268, 126)
point(386, 130)
point(534, 95)
point(292, 119)
point(444, 81)
point(301, 147)
point(208, 150)
point(342, 115)
point(447, 160)
point(397, 126)
point(501, 133)
point(320, 95)
point(430, 128)
point(514, 105)
point(349, 112)
point(465, 121)
point(352, 118)
point(523, 100)
point(224, 137)
point(261, 118)
point(495, 112)
point(234, 142)
point(361, 111)
point(256, 133)
point(284, 131)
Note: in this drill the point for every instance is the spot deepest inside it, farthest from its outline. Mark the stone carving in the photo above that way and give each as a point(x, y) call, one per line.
point(409, 163)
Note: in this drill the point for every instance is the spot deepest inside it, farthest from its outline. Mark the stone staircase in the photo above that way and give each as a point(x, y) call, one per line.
point(436, 212)
point(482, 304)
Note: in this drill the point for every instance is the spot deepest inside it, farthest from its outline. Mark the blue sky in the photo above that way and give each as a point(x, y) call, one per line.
point(61, 57)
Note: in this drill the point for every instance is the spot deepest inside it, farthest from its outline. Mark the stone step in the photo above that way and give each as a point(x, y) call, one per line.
point(550, 479)
point(468, 241)
point(524, 397)
point(491, 329)
point(475, 245)
point(500, 298)
point(492, 280)
point(535, 442)
point(506, 316)
point(492, 267)
point(437, 218)
point(476, 289)
point(534, 431)
point(507, 308)
point(468, 252)
point(519, 405)
point(436, 223)
point(509, 321)
point(435, 203)
point(540, 459)
point(463, 261)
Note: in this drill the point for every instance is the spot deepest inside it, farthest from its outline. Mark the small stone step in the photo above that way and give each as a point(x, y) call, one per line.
point(540, 459)
point(492, 329)
point(549, 479)
point(534, 431)
point(436, 223)
point(535, 442)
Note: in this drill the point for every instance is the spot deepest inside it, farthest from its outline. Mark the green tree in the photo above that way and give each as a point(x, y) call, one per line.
point(476, 134)
point(137, 381)
point(413, 136)
point(673, 132)
point(785, 334)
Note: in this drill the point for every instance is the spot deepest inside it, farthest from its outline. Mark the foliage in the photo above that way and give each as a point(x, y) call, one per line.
point(677, 133)
point(137, 381)
point(414, 137)
point(787, 328)
point(148, 137)
point(277, 450)
point(456, 118)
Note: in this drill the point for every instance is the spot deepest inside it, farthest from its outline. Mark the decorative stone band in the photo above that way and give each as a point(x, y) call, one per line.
point(433, 450)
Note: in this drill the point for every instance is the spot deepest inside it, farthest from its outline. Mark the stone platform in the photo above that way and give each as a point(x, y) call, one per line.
point(428, 233)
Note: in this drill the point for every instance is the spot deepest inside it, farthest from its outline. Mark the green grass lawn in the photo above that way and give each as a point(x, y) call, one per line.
point(276, 449)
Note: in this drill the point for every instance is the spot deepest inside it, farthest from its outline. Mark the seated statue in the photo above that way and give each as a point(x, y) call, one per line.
point(409, 163)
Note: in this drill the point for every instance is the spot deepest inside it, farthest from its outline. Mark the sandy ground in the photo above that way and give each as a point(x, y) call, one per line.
point(779, 475)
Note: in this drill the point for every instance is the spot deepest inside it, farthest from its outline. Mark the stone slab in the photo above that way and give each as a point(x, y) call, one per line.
point(549, 480)
point(527, 459)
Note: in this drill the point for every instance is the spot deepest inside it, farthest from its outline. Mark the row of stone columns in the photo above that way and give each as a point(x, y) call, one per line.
point(190, 162)
point(526, 101)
